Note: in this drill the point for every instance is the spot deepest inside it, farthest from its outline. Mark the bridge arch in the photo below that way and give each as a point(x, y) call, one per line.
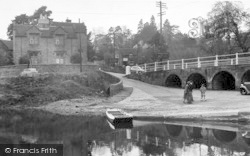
point(223, 80)
point(198, 79)
point(247, 141)
point(173, 80)
point(224, 136)
point(174, 130)
point(246, 76)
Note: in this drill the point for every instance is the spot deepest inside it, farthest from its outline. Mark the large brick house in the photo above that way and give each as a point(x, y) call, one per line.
point(49, 42)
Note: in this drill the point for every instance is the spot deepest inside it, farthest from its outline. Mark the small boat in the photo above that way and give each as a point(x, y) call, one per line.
point(116, 116)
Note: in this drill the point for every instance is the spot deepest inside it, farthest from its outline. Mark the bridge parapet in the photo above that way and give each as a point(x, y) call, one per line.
point(199, 62)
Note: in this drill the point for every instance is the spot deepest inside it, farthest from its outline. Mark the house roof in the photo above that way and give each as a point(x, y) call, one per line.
point(70, 28)
point(8, 44)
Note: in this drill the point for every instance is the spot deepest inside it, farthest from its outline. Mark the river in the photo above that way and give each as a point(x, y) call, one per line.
point(93, 135)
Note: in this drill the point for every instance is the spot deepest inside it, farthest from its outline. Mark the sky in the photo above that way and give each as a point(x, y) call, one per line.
point(100, 15)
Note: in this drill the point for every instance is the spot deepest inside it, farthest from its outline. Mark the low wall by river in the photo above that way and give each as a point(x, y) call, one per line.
point(114, 86)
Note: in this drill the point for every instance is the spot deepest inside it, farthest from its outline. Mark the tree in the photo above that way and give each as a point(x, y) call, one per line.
point(25, 19)
point(90, 48)
point(40, 11)
point(147, 32)
point(21, 19)
point(140, 26)
point(169, 31)
point(224, 22)
point(152, 22)
point(102, 44)
point(160, 48)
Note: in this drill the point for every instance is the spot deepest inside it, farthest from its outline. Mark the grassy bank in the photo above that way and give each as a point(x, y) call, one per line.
point(46, 88)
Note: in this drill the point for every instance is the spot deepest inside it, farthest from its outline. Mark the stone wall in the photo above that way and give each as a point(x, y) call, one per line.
point(114, 86)
point(239, 74)
point(15, 70)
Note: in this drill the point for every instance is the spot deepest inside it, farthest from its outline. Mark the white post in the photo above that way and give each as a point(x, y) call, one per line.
point(164, 67)
point(145, 66)
point(232, 61)
point(155, 66)
point(182, 63)
point(169, 143)
point(236, 58)
point(216, 60)
point(168, 65)
point(174, 66)
point(186, 65)
point(156, 141)
point(146, 139)
point(137, 135)
point(128, 133)
point(198, 62)
point(128, 70)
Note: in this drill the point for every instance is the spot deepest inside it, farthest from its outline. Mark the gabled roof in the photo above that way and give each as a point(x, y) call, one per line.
point(8, 44)
point(77, 27)
point(33, 29)
point(70, 29)
point(60, 30)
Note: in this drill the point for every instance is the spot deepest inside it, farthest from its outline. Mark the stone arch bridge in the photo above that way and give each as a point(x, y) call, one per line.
point(223, 72)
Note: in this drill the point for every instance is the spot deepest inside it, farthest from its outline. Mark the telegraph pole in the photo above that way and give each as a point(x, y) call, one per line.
point(80, 49)
point(113, 62)
point(161, 5)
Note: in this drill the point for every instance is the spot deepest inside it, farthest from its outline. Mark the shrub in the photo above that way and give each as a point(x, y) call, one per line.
point(75, 58)
point(24, 60)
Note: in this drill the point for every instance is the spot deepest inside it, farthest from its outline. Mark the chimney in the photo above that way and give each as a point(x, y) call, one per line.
point(68, 20)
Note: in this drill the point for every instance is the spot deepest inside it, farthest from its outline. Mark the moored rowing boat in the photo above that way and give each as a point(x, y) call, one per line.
point(116, 116)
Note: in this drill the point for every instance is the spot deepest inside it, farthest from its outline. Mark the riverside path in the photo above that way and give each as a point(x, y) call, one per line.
point(152, 100)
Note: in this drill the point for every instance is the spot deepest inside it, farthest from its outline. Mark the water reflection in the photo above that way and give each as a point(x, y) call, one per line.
point(92, 135)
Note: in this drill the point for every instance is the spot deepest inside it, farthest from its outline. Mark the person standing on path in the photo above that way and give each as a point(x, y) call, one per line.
point(190, 88)
point(203, 92)
point(185, 93)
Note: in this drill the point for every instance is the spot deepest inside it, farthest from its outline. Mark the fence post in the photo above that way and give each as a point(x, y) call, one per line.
point(182, 63)
point(156, 141)
point(137, 135)
point(186, 65)
point(198, 62)
point(145, 67)
point(216, 60)
point(236, 58)
point(155, 66)
point(164, 67)
point(168, 65)
point(232, 62)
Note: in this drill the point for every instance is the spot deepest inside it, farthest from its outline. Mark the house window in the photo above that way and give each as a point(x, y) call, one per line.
point(60, 57)
point(33, 39)
point(59, 40)
point(35, 57)
point(59, 60)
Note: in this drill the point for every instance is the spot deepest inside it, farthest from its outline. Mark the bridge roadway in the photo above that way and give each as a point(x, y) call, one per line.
point(152, 100)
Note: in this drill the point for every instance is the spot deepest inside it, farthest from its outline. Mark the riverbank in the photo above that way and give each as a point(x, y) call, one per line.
point(150, 102)
point(46, 88)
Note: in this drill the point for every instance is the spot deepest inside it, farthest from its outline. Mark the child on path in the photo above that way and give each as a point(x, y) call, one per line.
point(203, 92)
point(185, 93)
